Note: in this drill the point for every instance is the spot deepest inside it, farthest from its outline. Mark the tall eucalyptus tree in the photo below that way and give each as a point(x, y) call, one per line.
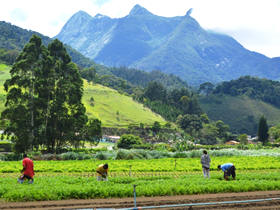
point(22, 98)
point(44, 95)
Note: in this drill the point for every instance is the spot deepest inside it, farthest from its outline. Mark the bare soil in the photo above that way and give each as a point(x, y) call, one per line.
point(156, 201)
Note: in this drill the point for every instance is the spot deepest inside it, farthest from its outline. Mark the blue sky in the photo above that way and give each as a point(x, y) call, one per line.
point(254, 23)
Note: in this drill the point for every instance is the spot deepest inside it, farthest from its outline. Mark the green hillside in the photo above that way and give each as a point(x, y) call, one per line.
point(112, 108)
point(4, 74)
point(240, 112)
point(115, 109)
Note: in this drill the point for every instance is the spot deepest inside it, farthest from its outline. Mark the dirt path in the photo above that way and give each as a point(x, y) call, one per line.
point(155, 201)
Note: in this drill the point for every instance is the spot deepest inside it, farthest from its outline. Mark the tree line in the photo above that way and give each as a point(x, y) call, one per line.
point(142, 79)
point(256, 88)
point(129, 81)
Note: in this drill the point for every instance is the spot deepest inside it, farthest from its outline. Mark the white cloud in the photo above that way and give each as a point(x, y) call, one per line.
point(18, 14)
point(260, 18)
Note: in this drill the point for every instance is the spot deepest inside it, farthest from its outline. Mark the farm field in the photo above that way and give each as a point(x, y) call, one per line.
point(151, 165)
point(60, 180)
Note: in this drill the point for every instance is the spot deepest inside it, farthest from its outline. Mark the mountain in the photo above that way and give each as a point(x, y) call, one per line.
point(112, 108)
point(14, 38)
point(176, 45)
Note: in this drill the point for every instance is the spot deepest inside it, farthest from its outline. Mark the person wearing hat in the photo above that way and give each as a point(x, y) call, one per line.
point(228, 169)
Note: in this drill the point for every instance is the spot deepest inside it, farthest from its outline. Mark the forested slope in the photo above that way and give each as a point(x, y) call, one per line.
point(241, 111)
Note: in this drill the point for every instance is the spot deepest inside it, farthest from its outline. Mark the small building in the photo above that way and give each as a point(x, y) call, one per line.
point(111, 138)
point(232, 142)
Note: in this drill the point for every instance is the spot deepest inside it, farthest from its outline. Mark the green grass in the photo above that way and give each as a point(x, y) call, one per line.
point(111, 107)
point(114, 109)
point(240, 113)
point(4, 75)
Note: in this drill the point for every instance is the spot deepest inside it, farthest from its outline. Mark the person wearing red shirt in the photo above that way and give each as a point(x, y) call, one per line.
point(27, 171)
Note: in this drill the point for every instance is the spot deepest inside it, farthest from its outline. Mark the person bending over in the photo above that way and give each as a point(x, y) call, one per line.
point(102, 172)
point(228, 169)
point(27, 170)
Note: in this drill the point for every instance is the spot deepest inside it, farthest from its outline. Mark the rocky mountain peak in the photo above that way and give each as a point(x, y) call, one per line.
point(81, 14)
point(177, 45)
point(100, 16)
point(138, 10)
point(189, 12)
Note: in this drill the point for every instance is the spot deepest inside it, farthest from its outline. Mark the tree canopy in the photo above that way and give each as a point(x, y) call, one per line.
point(127, 141)
point(256, 88)
point(44, 95)
point(263, 130)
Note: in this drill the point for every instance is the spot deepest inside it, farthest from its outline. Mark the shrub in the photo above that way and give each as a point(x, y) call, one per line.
point(127, 141)
point(180, 155)
point(2, 157)
point(5, 147)
point(139, 154)
point(162, 147)
point(122, 154)
point(69, 156)
point(12, 156)
point(101, 156)
point(160, 154)
point(142, 146)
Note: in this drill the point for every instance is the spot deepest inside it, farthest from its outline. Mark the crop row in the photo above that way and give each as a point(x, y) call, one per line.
point(136, 174)
point(159, 165)
point(63, 187)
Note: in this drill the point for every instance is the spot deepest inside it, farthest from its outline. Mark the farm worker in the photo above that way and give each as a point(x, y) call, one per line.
point(228, 169)
point(205, 162)
point(27, 171)
point(102, 172)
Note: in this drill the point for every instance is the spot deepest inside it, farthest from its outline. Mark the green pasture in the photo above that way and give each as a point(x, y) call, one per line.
point(4, 75)
point(115, 109)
